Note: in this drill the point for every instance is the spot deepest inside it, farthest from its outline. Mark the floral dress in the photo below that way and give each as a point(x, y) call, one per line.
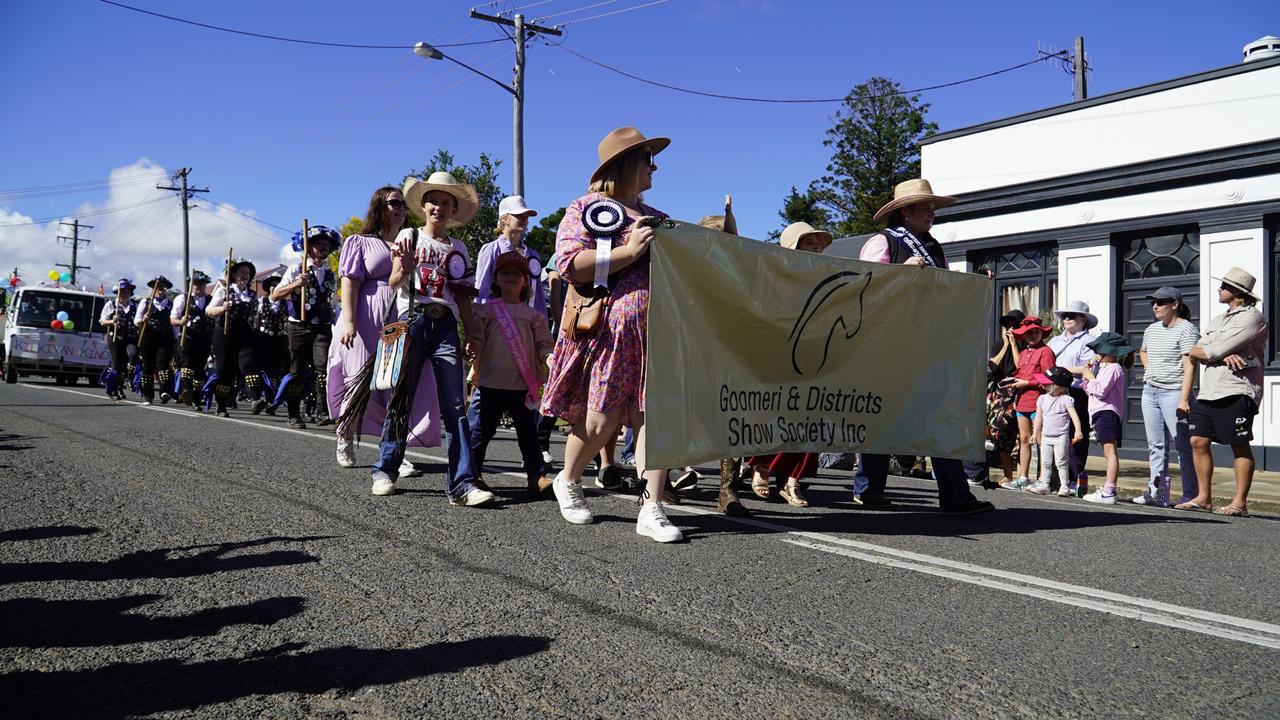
point(605, 370)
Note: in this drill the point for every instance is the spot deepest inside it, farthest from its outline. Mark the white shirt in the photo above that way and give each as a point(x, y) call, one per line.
point(437, 270)
point(180, 305)
point(318, 274)
point(220, 298)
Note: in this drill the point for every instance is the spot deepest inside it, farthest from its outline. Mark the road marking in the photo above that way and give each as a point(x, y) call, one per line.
point(1151, 611)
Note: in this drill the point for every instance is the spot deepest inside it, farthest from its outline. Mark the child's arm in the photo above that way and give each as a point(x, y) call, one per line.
point(542, 338)
point(1038, 426)
point(1078, 435)
point(1101, 385)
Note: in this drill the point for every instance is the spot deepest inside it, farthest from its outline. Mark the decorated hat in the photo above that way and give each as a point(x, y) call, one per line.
point(1056, 376)
point(468, 200)
point(911, 192)
point(238, 263)
point(1241, 280)
point(1029, 324)
point(160, 279)
point(1111, 343)
point(269, 282)
point(318, 232)
point(198, 277)
point(795, 232)
point(123, 283)
point(622, 141)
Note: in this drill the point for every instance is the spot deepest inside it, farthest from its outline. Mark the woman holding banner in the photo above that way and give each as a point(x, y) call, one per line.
point(597, 368)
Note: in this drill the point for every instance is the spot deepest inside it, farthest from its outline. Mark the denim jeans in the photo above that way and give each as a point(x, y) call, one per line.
point(628, 454)
point(487, 406)
point(435, 341)
point(1160, 413)
point(872, 473)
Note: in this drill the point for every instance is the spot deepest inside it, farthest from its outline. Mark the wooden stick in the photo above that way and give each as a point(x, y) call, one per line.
point(146, 319)
point(186, 311)
point(302, 311)
point(226, 316)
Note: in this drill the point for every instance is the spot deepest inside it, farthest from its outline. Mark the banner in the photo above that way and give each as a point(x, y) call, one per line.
point(755, 349)
point(74, 348)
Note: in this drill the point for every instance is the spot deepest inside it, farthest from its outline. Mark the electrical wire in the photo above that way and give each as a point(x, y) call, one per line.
point(277, 37)
point(38, 191)
point(520, 10)
point(613, 12)
point(721, 96)
point(92, 213)
point(247, 229)
point(228, 208)
point(585, 7)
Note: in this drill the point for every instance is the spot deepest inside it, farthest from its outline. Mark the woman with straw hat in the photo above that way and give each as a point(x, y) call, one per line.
point(596, 377)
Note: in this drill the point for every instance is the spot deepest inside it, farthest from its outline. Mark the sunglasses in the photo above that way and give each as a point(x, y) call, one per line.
point(1071, 316)
point(397, 204)
point(1161, 301)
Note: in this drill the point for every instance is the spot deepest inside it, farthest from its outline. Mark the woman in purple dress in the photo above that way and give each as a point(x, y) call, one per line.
point(368, 303)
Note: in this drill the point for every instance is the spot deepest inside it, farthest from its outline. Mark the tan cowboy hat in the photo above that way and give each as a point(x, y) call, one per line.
point(1240, 279)
point(618, 142)
point(468, 200)
point(911, 192)
point(795, 232)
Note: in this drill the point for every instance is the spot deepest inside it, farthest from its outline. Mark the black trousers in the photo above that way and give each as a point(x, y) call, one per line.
point(122, 352)
point(156, 353)
point(308, 356)
point(235, 351)
point(273, 355)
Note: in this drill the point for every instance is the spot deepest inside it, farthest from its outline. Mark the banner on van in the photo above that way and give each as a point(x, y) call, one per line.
point(69, 347)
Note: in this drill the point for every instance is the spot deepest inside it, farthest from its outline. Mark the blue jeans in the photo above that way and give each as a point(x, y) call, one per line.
point(437, 341)
point(872, 473)
point(1160, 413)
point(487, 406)
point(628, 454)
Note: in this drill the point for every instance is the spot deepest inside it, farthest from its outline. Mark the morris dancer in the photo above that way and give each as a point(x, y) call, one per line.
point(233, 338)
point(122, 337)
point(194, 340)
point(155, 341)
point(269, 339)
point(309, 328)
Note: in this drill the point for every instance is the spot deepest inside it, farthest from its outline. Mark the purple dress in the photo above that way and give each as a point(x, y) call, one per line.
point(367, 260)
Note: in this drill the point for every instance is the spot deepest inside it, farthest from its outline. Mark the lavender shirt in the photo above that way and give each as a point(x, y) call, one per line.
point(1106, 390)
point(1076, 353)
point(484, 273)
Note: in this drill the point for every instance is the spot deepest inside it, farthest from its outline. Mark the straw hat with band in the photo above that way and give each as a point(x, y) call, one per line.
point(1029, 324)
point(468, 201)
point(911, 192)
point(1241, 280)
point(622, 141)
point(795, 232)
point(1111, 343)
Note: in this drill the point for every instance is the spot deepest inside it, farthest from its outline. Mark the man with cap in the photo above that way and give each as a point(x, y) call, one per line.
point(155, 340)
point(906, 241)
point(309, 323)
point(1232, 352)
point(195, 334)
point(1164, 343)
point(122, 337)
point(1071, 351)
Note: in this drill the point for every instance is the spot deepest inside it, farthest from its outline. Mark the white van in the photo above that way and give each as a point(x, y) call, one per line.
point(32, 347)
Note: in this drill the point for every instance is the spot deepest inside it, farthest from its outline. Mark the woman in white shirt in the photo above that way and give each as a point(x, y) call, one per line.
point(234, 338)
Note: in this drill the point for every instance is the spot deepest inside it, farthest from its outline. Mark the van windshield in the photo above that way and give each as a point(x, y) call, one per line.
point(38, 308)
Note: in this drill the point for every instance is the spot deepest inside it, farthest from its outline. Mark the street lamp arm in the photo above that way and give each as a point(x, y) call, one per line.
point(424, 50)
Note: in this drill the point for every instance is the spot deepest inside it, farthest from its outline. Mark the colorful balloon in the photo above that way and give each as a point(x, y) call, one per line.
point(63, 316)
point(15, 281)
point(65, 277)
point(54, 275)
point(68, 325)
point(56, 324)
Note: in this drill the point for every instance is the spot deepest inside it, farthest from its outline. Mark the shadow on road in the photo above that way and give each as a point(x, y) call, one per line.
point(45, 532)
point(143, 688)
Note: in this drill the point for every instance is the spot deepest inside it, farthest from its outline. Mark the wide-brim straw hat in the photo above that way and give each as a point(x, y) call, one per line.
point(797, 231)
point(1080, 307)
point(911, 192)
point(622, 141)
point(468, 200)
point(1242, 280)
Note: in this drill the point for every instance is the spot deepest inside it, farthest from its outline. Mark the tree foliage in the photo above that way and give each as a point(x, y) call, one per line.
point(484, 176)
point(875, 142)
point(801, 207)
point(542, 237)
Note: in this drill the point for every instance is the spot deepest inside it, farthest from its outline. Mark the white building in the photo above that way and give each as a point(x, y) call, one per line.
point(1106, 199)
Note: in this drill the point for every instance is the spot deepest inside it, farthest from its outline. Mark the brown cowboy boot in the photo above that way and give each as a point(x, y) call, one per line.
point(729, 503)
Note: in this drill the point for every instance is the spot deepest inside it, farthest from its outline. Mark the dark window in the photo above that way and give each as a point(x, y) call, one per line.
point(1159, 256)
point(1026, 279)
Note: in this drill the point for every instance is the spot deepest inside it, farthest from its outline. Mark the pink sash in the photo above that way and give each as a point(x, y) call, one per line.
point(506, 324)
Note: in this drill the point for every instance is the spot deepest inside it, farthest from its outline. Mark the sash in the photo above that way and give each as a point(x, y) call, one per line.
point(507, 324)
point(913, 244)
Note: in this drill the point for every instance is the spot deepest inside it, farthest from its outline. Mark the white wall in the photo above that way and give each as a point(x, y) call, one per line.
point(1088, 274)
point(1232, 110)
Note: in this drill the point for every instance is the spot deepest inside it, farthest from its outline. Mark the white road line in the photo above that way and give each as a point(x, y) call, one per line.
point(1151, 611)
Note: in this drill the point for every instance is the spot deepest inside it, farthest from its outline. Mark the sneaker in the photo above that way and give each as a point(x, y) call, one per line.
point(686, 480)
point(971, 507)
point(573, 507)
point(1067, 490)
point(1019, 484)
point(652, 522)
point(873, 501)
point(1040, 488)
point(346, 455)
point(165, 398)
point(1101, 497)
point(220, 413)
point(258, 406)
point(1147, 499)
point(407, 470)
point(296, 423)
point(383, 485)
point(147, 402)
point(473, 498)
point(610, 478)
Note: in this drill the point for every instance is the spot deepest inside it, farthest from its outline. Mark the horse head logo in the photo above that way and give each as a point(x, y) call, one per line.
point(834, 308)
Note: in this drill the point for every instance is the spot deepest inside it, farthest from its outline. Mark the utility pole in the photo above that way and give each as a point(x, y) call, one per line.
point(1078, 69)
point(523, 30)
point(185, 195)
point(75, 248)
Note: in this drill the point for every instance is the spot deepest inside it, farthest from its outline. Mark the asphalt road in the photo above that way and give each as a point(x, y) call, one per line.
point(158, 562)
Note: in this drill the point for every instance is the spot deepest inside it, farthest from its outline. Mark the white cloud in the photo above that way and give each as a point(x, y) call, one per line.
point(141, 241)
point(722, 10)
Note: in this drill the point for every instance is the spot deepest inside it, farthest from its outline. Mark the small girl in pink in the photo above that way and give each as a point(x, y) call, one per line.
point(1055, 418)
point(1104, 383)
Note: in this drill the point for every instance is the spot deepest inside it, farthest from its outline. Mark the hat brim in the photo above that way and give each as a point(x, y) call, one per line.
point(468, 200)
point(939, 201)
point(253, 270)
point(826, 239)
point(1239, 287)
point(1020, 331)
point(166, 283)
point(1114, 350)
point(1091, 320)
point(656, 145)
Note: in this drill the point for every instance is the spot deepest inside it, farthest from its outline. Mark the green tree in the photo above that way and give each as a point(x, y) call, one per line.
point(484, 176)
point(801, 207)
point(875, 142)
point(542, 237)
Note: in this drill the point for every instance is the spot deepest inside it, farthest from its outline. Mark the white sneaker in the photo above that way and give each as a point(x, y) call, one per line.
point(1040, 488)
point(1146, 499)
point(407, 470)
point(474, 498)
point(346, 456)
point(1066, 490)
point(384, 486)
point(573, 507)
point(546, 457)
point(1098, 496)
point(653, 523)
point(1021, 483)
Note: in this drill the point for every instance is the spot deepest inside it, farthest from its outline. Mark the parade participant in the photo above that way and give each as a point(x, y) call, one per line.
point(1002, 422)
point(596, 379)
point(233, 309)
point(195, 339)
point(122, 337)
point(270, 343)
point(1232, 352)
point(906, 241)
point(1071, 351)
point(791, 466)
point(1164, 343)
point(1057, 426)
point(1105, 384)
point(310, 322)
point(1033, 360)
point(155, 341)
point(434, 283)
point(511, 350)
point(513, 223)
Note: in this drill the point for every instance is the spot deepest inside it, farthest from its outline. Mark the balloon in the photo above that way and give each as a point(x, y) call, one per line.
point(65, 277)
point(62, 315)
point(68, 325)
point(15, 281)
point(56, 324)
point(53, 275)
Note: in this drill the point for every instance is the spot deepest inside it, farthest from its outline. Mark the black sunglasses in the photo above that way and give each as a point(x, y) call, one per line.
point(1071, 316)
point(398, 204)
point(1161, 301)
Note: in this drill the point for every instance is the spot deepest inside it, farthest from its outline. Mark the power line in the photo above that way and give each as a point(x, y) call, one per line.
point(103, 211)
point(614, 12)
point(280, 38)
point(570, 12)
point(39, 191)
point(228, 208)
point(790, 101)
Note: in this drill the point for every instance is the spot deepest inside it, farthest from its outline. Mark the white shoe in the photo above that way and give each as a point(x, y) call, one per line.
point(653, 523)
point(1066, 490)
point(346, 456)
point(1040, 488)
point(1098, 496)
point(407, 470)
point(546, 457)
point(1146, 499)
point(573, 507)
point(474, 498)
point(383, 486)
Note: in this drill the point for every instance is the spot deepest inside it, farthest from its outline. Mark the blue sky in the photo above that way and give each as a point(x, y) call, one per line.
point(282, 131)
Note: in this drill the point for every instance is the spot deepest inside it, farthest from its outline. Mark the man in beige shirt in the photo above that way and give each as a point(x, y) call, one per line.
point(1231, 350)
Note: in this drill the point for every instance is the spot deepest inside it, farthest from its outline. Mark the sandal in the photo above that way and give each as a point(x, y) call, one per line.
point(1193, 506)
point(1233, 511)
point(791, 494)
point(760, 484)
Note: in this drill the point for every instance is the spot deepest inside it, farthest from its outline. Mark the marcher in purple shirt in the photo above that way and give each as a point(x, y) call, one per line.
point(513, 222)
